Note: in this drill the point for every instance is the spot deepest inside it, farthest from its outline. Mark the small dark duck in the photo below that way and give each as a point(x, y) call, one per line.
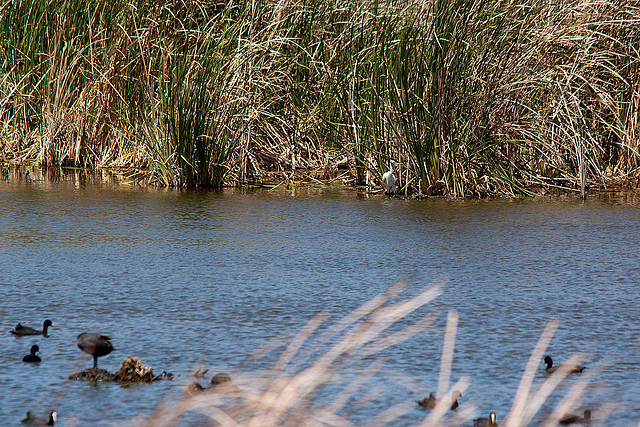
point(576, 419)
point(32, 358)
point(222, 383)
point(220, 379)
point(20, 330)
point(31, 419)
point(431, 401)
point(551, 369)
point(486, 422)
point(96, 345)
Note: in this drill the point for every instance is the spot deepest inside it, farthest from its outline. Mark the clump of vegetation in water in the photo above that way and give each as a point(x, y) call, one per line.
point(132, 370)
point(468, 98)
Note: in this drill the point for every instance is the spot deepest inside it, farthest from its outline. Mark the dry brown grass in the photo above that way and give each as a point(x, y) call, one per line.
point(469, 98)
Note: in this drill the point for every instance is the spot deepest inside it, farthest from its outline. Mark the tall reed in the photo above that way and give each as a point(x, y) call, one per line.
point(326, 372)
point(483, 97)
point(188, 111)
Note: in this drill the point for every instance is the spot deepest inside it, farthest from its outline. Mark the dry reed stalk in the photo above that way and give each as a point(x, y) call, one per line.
point(547, 388)
point(466, 101)
point(603, 413)
point(575, 394)
point(516, 414)
point(444, 393)
point(284, 394)
point(287, 394)
point(446, 362)
point(437, 415)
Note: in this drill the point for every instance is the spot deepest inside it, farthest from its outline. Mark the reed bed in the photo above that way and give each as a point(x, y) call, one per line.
point(484, 97)
point(326, 373)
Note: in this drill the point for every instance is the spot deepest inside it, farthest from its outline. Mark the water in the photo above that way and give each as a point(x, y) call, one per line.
point(188, 279)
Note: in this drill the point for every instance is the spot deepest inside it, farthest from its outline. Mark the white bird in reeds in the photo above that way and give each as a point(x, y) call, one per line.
point(389, 180)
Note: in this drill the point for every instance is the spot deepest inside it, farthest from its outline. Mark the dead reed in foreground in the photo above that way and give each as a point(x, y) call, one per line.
point(339, 361)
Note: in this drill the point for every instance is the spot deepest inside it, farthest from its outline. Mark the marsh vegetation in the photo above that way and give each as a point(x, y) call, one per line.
point(468, 98)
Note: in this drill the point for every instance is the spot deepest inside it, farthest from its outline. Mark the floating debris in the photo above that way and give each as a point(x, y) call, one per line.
point(93, 374)
point(200, 373)
point(132, 370)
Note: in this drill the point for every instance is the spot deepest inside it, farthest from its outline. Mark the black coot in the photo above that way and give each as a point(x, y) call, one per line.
point(32, 357)
point(576, 419)
point(551, 369)
point(219, 379)
point(431, 401)
point(486, 422)
point(20, 330)
point(96, 345)
point(31, 419)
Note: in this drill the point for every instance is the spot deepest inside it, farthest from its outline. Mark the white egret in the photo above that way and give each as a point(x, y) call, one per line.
point(389, 180)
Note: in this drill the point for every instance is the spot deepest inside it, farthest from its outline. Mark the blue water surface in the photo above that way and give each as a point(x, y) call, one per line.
point(202, 279)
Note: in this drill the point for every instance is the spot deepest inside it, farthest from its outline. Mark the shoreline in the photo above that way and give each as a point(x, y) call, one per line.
point(326, 178)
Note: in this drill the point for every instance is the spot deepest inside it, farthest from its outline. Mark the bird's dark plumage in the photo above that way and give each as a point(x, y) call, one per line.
point(222, 383)
point(551, 369)
point(428, 402)
point(31, 419)
point(220, 378)
point(96, 345)
point(431, 401)
point(32, 358)
point(576, 419)
point(20, 330)
point(486, 422)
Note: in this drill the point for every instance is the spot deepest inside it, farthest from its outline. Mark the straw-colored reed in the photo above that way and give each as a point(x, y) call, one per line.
point(469, 98)
point(327, 370)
